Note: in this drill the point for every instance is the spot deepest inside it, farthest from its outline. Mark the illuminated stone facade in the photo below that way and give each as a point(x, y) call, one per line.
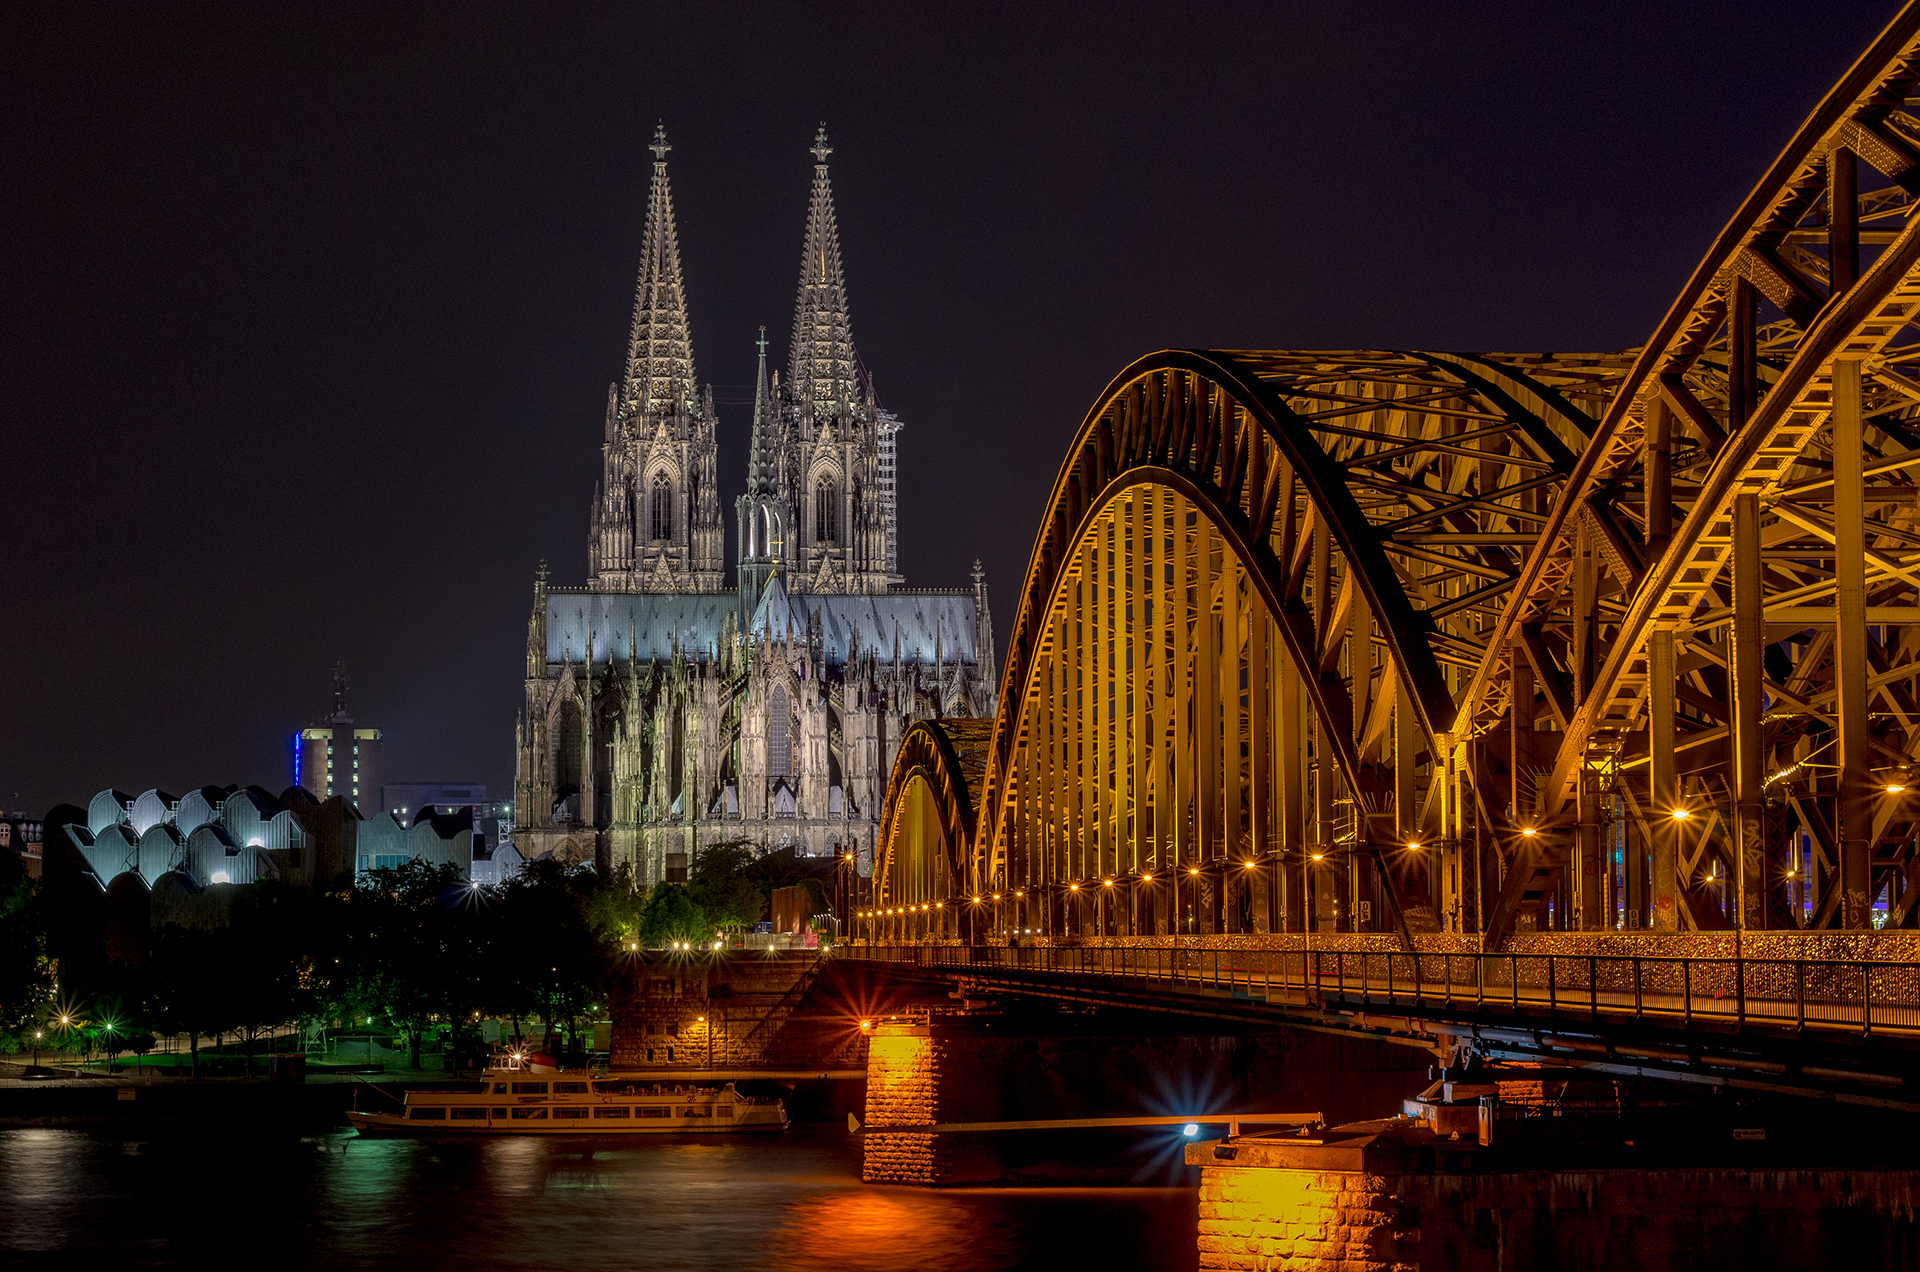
point(903, 1089)
point(664, 710)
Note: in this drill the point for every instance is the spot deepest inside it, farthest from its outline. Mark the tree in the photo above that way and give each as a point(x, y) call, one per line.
point(186, 990)
point(26, 977)
point(404, 947)
point(546, 955)
point(268, 979)
point(614, 910)
point(671, 914)
point(721, 884)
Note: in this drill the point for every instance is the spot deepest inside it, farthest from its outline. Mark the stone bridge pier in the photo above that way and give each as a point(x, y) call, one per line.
point(1036, 1064)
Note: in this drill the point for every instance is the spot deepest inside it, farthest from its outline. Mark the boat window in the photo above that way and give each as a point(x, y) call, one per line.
point(499, 1088)
point(656, 1112)
point(426, 1115)
point(619, 1088)
point(569, 1112)
point(529, 1113)
point(697, 1113)
point(469, 1115)
point(618, 1110)
point(569, 1088)
point(499, 1112)
point(529, 1088)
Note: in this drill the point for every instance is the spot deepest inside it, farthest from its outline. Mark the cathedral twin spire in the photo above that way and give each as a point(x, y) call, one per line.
point(819, 471)
point(823, 368)
point(659, 379)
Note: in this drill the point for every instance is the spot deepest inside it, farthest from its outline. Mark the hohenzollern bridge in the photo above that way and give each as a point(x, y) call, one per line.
point(1553, 700)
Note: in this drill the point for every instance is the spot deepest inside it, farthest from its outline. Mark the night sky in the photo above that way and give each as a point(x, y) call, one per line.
point(309, 319)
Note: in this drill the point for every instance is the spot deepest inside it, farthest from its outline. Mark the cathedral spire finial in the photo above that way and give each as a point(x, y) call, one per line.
point(820, 147)
point(659, 379)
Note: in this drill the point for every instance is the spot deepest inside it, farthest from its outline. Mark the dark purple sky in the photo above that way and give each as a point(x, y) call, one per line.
point(308, 320)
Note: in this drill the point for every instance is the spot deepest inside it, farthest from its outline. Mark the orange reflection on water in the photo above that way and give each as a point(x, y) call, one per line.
point(886, 1228)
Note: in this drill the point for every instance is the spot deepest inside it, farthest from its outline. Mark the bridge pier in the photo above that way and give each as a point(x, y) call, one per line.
point(1386, 1195)
point(1042, 1064)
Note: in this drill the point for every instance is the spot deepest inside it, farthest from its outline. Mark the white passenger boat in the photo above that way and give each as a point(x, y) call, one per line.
point(521, 1102)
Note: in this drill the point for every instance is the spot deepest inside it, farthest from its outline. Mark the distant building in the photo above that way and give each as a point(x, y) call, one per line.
point(239, 835)
point(338, 756)
point(492, 819)
point(407, 797)
point(20, 834)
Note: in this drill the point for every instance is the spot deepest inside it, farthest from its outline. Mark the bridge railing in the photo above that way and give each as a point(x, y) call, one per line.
point(1802, 994)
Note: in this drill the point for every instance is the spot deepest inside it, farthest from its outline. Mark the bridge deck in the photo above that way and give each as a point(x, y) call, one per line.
point(1799, 994)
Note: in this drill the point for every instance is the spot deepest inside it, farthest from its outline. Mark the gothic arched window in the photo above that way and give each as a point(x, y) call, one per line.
point(826, 512)
point(662, 507)
point(779, 734)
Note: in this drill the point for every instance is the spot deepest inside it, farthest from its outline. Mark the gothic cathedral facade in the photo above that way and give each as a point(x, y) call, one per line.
point(668, 710)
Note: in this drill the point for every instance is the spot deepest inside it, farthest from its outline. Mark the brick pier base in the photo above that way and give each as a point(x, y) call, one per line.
point(1391, 1197)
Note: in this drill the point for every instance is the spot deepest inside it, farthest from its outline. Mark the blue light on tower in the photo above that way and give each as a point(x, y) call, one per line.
point(296, 758)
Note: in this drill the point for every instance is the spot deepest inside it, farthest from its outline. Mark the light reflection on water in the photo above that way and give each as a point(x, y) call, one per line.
point(337, 1201)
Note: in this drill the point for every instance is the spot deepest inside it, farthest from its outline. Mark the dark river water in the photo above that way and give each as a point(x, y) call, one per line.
point(72, 1200)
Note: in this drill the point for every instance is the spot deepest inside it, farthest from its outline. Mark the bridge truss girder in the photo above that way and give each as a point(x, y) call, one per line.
point(1232, 685)
point(1289, 613)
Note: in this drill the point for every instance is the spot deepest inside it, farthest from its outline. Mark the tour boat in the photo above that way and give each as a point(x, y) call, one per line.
point(522, 1102)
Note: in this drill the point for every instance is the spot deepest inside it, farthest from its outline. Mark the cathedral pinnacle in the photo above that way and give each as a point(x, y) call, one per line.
point(823, 359)
point(659, 379)
point(760, 465)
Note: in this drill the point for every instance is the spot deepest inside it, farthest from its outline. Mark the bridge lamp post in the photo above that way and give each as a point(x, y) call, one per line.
point(1147, 879)
point(1193, 872)
point(1106, 904)
point(1252, 865)
point(1019, 908)
point(994, 934)
point(1307, 911)
point(1066, 908)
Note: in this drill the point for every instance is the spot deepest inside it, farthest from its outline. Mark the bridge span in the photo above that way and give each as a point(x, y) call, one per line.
point(1559, 703)
point(1485, 645)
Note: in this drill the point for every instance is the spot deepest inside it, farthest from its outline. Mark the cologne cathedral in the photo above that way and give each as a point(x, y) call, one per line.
point(668, 710)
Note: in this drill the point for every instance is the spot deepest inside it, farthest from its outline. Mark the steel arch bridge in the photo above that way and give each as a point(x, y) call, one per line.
point(1417, 642)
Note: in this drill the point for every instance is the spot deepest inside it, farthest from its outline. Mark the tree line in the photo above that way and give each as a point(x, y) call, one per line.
point(414, 948)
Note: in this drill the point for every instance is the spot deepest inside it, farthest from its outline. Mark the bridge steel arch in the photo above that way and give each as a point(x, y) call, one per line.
point(1619, 641)
point(921, 875)
point(1721, 606)
point(1252, 602)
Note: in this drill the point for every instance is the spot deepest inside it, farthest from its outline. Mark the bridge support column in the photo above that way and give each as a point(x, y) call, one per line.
point(1749, 827)
point(1850, 648)
point(1662, 828)
point(903, 1074)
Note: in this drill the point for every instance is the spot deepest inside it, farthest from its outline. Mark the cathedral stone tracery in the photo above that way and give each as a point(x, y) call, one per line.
point(666, 711)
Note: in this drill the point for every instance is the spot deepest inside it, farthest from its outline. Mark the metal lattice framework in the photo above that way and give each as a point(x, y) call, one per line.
point(1409, 641)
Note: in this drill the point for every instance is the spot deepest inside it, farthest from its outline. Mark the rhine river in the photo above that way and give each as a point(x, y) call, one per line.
point(74, 1199)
